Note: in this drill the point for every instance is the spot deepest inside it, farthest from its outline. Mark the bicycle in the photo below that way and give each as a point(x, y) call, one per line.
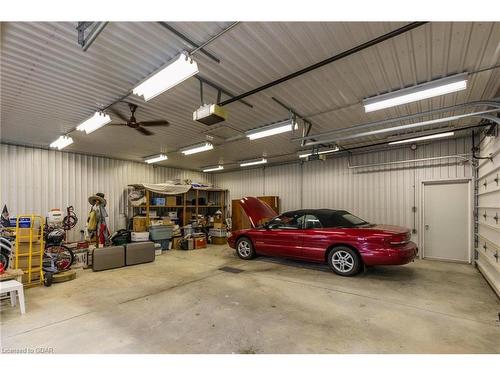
point(56, 257)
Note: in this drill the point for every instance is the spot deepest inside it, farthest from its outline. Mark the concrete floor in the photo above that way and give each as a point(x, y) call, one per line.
point(183, 303)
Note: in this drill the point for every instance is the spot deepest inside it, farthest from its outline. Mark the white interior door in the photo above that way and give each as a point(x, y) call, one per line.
point(447, 221)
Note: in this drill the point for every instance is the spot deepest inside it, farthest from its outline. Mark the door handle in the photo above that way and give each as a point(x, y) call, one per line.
point(426, 226)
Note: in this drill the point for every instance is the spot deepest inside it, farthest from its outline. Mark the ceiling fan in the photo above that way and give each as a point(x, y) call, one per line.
point(137, 125)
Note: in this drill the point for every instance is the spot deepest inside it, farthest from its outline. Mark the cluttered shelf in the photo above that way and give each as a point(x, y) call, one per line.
point(180, 206)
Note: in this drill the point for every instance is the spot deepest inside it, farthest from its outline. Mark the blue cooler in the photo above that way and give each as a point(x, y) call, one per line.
point(24, 222)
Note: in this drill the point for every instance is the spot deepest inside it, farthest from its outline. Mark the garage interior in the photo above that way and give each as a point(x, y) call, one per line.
point(394, 122)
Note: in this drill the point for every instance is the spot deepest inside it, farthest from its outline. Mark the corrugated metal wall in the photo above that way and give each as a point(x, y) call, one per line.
point(488, 249)
point(382, 194)
point(35, 180)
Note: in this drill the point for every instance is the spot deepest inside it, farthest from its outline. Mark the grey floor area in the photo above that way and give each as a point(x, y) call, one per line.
point(184, 303)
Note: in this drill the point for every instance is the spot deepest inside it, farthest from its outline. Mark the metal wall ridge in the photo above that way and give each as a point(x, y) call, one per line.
point(36, 180)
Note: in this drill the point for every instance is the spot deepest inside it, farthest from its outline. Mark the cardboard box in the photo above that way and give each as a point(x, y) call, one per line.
point(24, 234)
point(35, 276)
point(171, 201)
point(219, 240)
point(139, 224)
point(176, 243)
point(23, 262)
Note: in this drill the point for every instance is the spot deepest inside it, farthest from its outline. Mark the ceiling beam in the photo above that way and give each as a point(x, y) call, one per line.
point(329, 60)
point(189, 41)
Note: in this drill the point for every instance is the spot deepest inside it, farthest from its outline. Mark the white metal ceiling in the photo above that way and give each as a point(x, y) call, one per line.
point(49, 84)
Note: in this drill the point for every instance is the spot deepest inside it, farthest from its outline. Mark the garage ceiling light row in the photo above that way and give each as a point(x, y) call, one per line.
point(155, 158)
point(426, 90)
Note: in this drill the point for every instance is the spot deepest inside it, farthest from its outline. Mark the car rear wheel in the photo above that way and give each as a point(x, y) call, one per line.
point(244, 248)
point(344, 261)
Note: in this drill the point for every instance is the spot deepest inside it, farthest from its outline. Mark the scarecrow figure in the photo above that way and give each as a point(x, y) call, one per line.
point(97, 225)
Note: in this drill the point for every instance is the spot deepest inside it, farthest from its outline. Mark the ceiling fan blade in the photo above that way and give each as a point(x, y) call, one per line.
point(118, 114)
point(118, 124)
point(144, 130)
point(154, 123)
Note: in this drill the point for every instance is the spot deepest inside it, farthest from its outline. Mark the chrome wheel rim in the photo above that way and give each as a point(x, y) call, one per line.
point(244, 249)
point(342, 261)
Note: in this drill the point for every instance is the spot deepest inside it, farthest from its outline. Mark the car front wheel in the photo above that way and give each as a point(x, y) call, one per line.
point(244, 248)
point(344, 261)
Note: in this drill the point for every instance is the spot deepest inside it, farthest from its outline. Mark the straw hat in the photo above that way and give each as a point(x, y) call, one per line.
point(97, 197)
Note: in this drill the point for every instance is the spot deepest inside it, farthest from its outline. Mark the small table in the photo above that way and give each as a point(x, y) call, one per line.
point(11, 274)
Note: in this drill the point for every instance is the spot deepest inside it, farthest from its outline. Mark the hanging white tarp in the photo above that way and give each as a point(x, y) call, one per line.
point(169, 188)
point(163, 188)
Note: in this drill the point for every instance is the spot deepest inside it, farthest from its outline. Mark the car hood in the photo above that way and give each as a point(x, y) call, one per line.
point(258, 212)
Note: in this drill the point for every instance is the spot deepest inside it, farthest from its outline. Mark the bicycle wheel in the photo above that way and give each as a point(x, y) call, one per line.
point(60, 256)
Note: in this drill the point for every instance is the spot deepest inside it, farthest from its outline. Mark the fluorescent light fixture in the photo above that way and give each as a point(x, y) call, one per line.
point(305, 154)
point(253, 162)
point(174, 72)
point(213, 169)
point(412, 94)
point(155, 158)
point(98, 120)
point(423, 138)
point(61, 142)
point(205, 146)
point(273, 129)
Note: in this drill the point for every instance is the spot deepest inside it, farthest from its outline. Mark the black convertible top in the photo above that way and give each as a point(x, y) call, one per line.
point(330, 218)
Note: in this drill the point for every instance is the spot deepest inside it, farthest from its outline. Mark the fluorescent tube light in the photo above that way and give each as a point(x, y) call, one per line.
point(205, 146)
point(61, 142)
point(305, 154)
point(174, 72)
point(253, 162)
point(98, 120)
point(273, 129)
point(155, 158)
point(213, 169)
point(423, 138)
point(412, 94)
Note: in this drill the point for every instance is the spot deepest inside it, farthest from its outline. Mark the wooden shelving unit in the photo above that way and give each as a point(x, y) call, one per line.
point(186, 210)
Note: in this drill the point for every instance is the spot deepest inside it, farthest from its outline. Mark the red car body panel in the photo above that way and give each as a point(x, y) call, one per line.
point(377, 245)
point(258, 211)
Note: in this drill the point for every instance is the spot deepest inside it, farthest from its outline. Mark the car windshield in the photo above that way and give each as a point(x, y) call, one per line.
point(343, 219)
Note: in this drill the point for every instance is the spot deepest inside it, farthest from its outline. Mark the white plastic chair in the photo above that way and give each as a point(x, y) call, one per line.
point(14, 287)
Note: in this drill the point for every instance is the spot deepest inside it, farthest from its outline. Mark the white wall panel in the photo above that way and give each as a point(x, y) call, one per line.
point(488, 250)
point(35, 180)
point(382, 194)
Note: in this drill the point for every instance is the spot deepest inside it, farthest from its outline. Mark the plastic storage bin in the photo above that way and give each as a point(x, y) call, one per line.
point(158, 201)
point(165, 244)
point(160, 232)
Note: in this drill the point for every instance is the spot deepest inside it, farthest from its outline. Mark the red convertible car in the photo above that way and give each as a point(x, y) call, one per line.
point(336, 237)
